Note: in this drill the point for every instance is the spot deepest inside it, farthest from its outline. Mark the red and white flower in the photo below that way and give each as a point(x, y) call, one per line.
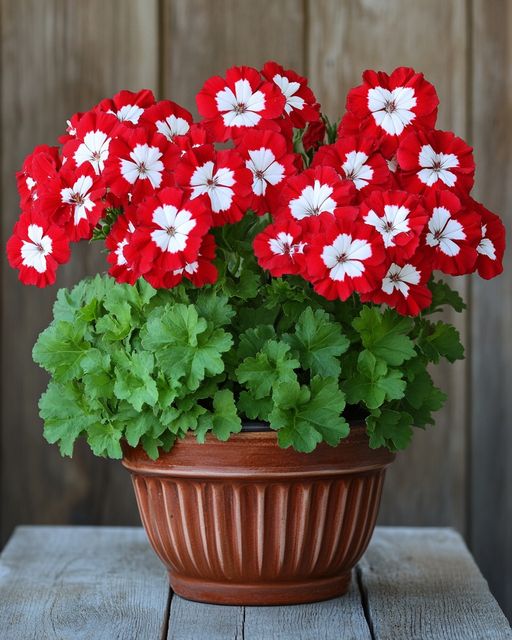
point(266, 156)
point(452, 233)
point(279, 248)
point(73, 199)
point(346, 256)
point(44, 160)
point(300, 103)
point(241, 101)
point(116, 242)
point(356, 159)
point(169, 232)
point(167, 118)
point(315, 191)
point(36, 248)
point(314, 135)
point(91, 142)
point(218, 176)
point(398, 217)
point(435, 160)
point(491, 246)
point(404, 287)
point(127, 106)
point(390, 105)
point(140, 164)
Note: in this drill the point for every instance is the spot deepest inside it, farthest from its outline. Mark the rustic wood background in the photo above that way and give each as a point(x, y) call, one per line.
point(62, 56)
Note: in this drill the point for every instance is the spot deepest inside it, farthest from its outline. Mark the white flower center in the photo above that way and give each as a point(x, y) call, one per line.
point(436, 166)
point(394, 221)
point(174, 228)
point(289, 89)
point(172, 126)
point(128, 113)
point(217, 184)
point(79, 197)
point(240, 109)
point(282, 244)
point(346, 256)
point(392, 110)
point(400, 278)
point(356, 169)
point(313, 201)
point(265, 170)
point(443, 230)
point(35, 250)
point(145, 164)
point(121, 260)
point(94, 149)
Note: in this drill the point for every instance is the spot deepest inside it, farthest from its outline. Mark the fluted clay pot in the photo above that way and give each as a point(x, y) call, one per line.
point(246, 522)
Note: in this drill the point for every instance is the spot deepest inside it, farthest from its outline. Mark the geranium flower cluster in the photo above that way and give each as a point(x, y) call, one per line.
point(375, 211)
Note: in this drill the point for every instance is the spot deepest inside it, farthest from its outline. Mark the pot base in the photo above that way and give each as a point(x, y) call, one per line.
point(261, 593)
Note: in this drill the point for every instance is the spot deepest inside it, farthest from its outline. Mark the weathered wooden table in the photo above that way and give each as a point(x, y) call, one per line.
point(105, 583)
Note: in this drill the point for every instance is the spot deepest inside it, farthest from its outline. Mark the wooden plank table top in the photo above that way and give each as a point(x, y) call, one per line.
point(97, 583)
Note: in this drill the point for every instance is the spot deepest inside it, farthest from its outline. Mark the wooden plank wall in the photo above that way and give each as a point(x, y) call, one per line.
point(61, 56)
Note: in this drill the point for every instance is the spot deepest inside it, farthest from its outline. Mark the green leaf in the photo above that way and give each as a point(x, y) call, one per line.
point(60, 350)
point(388, 428)
point(64, 416)
point(374, 383)
point(319, 343)
point(272, 365)
point(254, 339)
point(214, 307)
point(254, 408)
point(422, 397)
point(225, 420)
point(104, 440)
point(442, 341)
point(117, 325)
point(443, 294)
point(384, 334)
point(96, 377)
point(305, 416)
point(134, 381)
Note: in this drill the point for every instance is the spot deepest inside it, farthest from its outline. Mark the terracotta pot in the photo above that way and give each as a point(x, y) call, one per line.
point(245, 522)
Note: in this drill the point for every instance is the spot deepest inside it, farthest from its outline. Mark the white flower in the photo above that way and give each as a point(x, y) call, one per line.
point(145, 164)
point(34, 253)
point(128, 113)
point(175, 227)
point(283, 245)
point(400, 278)
point(172, 126)
point(394, 221)
point(443, 230)
point(345, 257)
point(240, 109)
point(486, 246)
point(218, 185)
point(436, 166)
point(79, 196)
point(121, 260)
point(357, 170)
point(313, 201)
point(265, 170)
point(94, 149)
point(289, 89)
point(391, 110)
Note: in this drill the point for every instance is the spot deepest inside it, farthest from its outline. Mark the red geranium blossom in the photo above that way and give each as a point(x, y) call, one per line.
point(241, 101)
point(91, 142)
point(404, 287)
point(399, 218)
point(315, 191)
point(357, 159)
point(388, 106)
point(266, 156)
point(43, 160)
point(167, 118)
point(71, 126)
point(221, 177)
point(452, 233)
point(120, 235)
point(197, 136)
point(140, 164)
point(170, 228)
point(346, 256)
point(491, 246)
point(314, 135)
point(300, 106)
point(280, 248)
point(435, 160)
point(128, 106)
point(73, 199)
point(36, 248)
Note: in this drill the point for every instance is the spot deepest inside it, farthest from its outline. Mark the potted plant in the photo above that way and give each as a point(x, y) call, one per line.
point(259, 348)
